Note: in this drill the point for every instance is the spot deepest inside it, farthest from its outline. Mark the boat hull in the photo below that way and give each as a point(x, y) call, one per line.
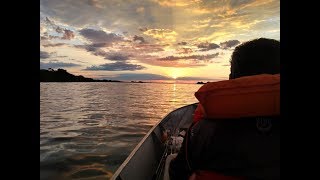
point(144, 162)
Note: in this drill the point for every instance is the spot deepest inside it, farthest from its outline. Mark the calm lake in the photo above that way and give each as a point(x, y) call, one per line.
point(88, 129)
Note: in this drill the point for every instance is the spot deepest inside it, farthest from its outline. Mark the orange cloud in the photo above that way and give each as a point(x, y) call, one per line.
point(165, 35)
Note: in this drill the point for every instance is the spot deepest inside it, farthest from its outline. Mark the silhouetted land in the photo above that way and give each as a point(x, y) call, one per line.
point(137, 82)
point(201, 82)
point(61, 75)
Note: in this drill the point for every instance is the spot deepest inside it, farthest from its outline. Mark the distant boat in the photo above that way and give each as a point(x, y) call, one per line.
point(147, 160)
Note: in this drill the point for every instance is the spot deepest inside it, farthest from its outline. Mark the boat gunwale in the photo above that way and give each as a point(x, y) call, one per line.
point(134, 151)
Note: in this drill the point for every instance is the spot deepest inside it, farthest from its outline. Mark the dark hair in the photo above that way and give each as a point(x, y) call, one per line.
point(259, 56)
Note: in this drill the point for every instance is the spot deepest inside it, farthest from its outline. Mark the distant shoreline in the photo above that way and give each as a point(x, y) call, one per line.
point(61, 75)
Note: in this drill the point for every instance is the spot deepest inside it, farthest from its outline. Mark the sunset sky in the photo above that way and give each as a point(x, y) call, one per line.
point(151, 39)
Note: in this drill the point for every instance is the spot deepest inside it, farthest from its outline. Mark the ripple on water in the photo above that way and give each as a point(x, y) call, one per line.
point(88, 129)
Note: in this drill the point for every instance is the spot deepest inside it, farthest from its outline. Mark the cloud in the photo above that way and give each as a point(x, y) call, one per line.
point(143, 29)
point(87, 47)
point(95, 3)
point(68, 34)
point(97, 51)
point(162, 34)
point(91, 47)
point(182, 43)
point(139, 38)
point(117, 66)
point(92, 2)
point(44, 55)
point(59, 30)
point(53, 37)
point(140, 10)
point(49, 37)
point(56, 64)
point(48, 21)
point(185, 51)
point(192, 57)
point(208, 46)
point(177, 3)
point(229, 44)
point(99, 36)
point(43, 38)
point(61, 56)
point(99, 45)
point(96, 48)
point(42, 29)
point(237, 3)
point(148, 48)
point(53, 45)
point(116, 57)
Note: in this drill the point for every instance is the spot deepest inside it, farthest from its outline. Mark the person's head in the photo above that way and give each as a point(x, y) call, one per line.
point(259, 56)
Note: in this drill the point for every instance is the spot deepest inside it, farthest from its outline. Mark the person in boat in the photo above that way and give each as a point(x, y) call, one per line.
point(235, 132)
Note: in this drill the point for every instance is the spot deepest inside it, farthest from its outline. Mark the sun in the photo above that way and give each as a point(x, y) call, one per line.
point(174, 72)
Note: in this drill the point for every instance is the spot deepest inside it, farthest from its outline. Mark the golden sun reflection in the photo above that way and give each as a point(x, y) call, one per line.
point(173, 97)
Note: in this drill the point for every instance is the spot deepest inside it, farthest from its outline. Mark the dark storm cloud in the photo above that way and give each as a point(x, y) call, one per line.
point(99, 36)
point(118, 66)
point(229, 44)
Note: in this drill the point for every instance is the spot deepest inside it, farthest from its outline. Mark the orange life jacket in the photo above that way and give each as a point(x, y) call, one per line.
point(249, 96)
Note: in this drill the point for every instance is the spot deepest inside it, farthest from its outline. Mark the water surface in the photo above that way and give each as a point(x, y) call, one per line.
point(88, 129)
